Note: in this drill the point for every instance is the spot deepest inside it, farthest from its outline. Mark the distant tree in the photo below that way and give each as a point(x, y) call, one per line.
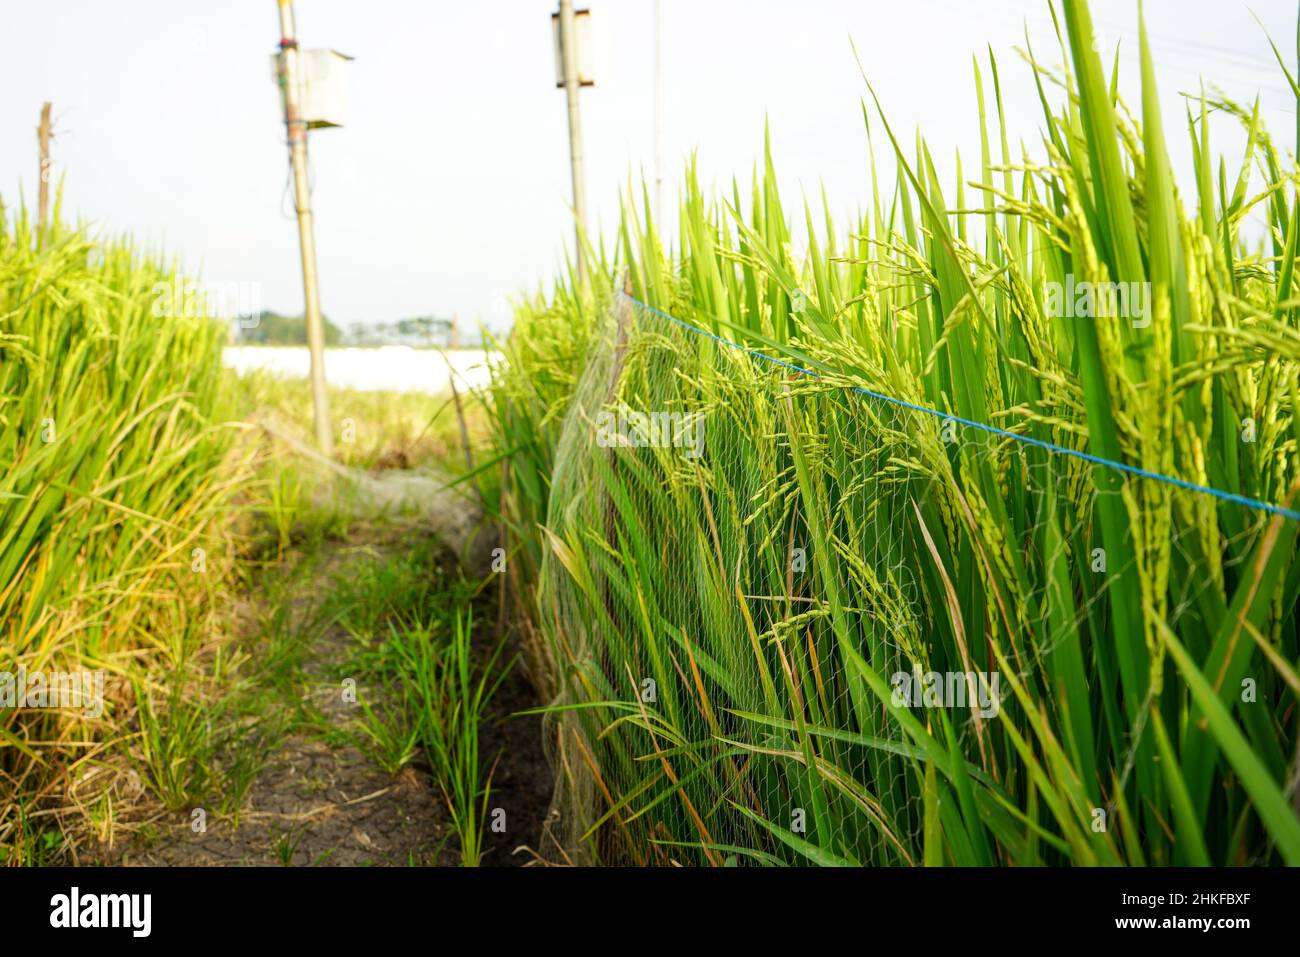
point(425, 329)
point(274, 329)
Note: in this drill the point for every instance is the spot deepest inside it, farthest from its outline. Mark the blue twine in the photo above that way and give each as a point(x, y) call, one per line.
point(994, 430)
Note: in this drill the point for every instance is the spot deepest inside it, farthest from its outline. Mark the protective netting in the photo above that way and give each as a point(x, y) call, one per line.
point(787, 619)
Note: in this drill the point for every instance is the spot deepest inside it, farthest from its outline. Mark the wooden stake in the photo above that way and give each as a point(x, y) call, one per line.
point(464, 429)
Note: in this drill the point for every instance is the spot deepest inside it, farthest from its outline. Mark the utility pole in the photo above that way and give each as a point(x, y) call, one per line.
point(43, 137)
point(569, 52)
point(296, 126)
point(659, 117)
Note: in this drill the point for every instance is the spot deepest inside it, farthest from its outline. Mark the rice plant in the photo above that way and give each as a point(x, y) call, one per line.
point(1035, 432)
point(454, 693)
point(117, 480)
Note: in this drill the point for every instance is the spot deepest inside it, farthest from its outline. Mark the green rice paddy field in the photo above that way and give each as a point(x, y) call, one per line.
point(961, 533)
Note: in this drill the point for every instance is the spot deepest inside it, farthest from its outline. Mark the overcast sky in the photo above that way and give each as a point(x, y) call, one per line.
point(449, 192)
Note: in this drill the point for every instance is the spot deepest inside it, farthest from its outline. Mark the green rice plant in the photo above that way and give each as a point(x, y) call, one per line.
point(453, 708)
point(242, 750)
point(176, 746)
point(284, 507)
point(285, 843)
point(448, 687)
point(413, 629)
point(407, 588)
point(387, 734)
point(917, 460)
point(118, 481)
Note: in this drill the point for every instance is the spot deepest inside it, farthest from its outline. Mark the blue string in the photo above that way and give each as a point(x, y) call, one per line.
point(993, 430)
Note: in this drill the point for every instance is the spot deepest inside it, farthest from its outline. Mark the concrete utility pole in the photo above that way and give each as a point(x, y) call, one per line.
point(660, 206)
point(43, 202)
point(296, 126)
point(569, 52)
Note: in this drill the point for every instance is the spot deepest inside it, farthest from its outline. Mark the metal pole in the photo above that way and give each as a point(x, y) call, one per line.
point(296, 126)
point(659, 117)
point(568, 48)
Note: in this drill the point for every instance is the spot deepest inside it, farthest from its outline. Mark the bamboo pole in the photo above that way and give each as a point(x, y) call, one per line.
point(43, 201)
point(296, 127)
point(569, 52)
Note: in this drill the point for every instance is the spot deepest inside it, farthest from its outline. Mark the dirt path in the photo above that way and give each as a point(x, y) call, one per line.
point(319, 800)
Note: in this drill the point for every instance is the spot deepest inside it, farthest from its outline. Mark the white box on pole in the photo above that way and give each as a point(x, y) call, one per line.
point(323, 86)
point(585, 41)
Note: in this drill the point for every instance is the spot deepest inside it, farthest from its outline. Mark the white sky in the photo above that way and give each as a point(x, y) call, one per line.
point(449, 190)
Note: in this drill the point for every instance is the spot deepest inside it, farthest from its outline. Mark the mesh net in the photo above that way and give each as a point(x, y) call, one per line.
point(777, 606)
